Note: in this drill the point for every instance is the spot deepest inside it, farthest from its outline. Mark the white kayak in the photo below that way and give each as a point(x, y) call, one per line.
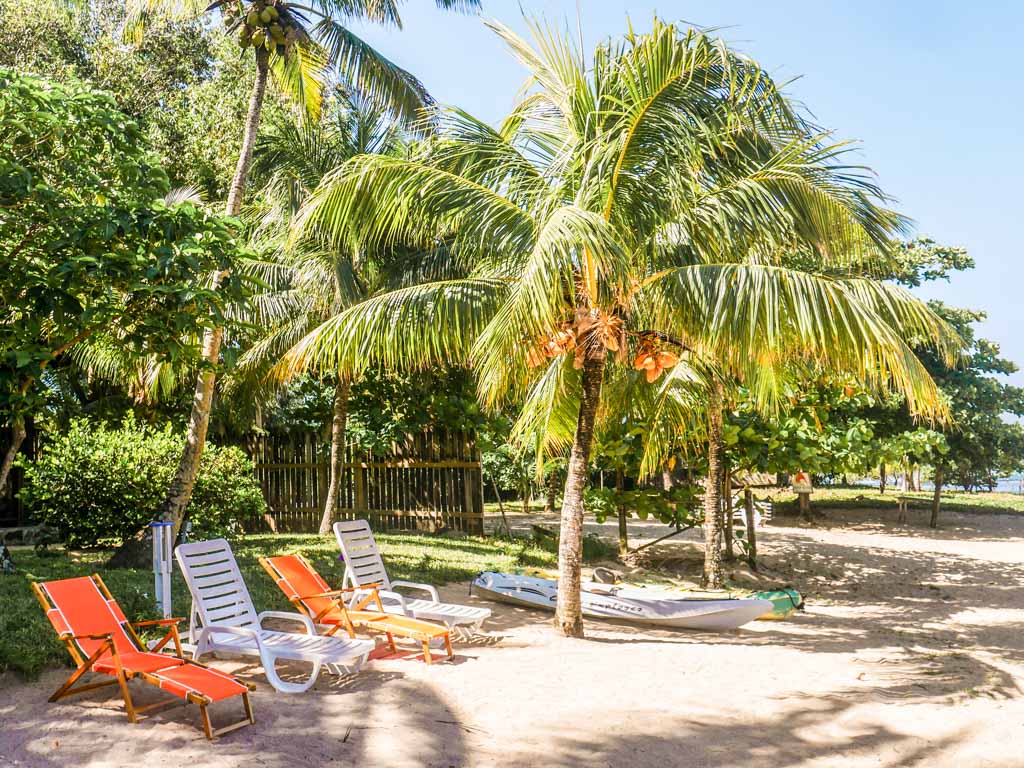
point(607, 601)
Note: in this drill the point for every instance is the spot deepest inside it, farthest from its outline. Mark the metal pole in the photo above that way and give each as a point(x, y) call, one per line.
point(162, 564)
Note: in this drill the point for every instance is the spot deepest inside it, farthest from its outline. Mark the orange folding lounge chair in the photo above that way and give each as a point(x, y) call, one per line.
point(100, 639)
point(309, 593)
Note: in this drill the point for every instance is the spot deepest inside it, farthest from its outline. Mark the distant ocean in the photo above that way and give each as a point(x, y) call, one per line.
point(1012, 484)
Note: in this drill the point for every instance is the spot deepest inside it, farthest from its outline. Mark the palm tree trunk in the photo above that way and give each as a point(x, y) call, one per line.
point(881, 477)
point(132, 553)
point(338, 424)
point(568, 615)
point(17, 438)
point(713, 578)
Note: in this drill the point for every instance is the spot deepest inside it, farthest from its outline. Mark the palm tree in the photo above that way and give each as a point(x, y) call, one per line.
point(623, 212)
point(295, 42)
point(311, 283)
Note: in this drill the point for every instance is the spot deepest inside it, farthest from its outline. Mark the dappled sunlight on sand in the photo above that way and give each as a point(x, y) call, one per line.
point(910, 653)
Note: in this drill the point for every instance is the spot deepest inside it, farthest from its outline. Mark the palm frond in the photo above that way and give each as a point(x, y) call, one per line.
point(406, 329)
point(748, 315)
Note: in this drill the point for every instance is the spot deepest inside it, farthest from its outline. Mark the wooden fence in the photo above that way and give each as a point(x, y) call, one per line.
point(429, 481)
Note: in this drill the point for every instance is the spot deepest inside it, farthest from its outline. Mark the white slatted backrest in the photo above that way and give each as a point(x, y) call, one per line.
point(363, 563)
point(219, 595)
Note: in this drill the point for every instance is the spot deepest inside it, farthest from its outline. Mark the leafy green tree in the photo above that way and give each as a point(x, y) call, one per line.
point(45, 37)
point(629, 207)
point(88, 244)
point(183, 84)
point(982, 444)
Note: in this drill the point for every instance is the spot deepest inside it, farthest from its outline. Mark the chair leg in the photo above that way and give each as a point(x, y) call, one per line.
point(426, 651)
point(72, 679)
point(127, 696)
point(207, 727)
point(448, 644)
point(391, 642)
point(275, 680)
point(248, 708)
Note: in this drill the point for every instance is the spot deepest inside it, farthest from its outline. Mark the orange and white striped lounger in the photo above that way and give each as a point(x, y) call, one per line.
point(309, 593)
point(100, 639)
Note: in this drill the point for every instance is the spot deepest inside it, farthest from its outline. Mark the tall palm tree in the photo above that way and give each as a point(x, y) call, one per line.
point(311, 283)
point(626, 210)
point(297, 42)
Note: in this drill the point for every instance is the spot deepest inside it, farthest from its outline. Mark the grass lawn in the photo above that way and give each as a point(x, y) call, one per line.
point(870, 498)
point(28, 643)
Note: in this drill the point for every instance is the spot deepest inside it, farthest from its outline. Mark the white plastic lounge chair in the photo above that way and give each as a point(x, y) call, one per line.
point(223, 618)
point(364, 567)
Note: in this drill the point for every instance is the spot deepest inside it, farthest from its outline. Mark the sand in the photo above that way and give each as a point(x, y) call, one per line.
point(911, 652)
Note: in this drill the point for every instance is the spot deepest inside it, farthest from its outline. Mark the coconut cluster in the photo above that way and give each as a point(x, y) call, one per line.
point(263, 23)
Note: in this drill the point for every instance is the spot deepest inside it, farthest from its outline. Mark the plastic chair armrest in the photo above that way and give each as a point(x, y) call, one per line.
point(431, 590)
point(396, 596)
point(304, 620)
point(221, 629)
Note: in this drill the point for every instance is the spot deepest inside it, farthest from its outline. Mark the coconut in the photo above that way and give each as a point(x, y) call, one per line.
point(265, 16)
point(253, 18)
point(258, 37)
point(273, 12)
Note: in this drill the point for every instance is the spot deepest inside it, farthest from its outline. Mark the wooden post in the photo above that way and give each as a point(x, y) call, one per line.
point(748, 508)
point(620, 485)
point(936, 499)
point(727, 511)
point(359, 502)
point(805, 505)
point(477, 475)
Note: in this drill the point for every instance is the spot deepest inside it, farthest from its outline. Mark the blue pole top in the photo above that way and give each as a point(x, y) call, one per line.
point(160, 523)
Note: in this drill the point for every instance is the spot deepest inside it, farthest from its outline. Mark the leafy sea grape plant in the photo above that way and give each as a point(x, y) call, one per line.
point(88, 244)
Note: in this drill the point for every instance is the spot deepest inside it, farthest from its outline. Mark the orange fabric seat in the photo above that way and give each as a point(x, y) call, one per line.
point(398, 624)
point(100, 639)
point(137, 662)
point(308, 591)
point(190, 678)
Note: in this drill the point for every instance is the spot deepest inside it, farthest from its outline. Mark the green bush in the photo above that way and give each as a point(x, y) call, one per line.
point(100, 483)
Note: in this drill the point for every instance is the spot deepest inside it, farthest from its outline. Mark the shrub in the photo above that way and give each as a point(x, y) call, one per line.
point(99, 483)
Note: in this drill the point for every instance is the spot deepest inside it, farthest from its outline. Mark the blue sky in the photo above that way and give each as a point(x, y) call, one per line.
point(931, 89)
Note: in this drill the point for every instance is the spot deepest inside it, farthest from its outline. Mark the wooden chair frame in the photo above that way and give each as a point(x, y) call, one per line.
point(370, 620)
point(122, 675)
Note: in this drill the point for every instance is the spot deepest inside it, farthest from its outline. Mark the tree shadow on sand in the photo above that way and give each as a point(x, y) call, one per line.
point(373, 718)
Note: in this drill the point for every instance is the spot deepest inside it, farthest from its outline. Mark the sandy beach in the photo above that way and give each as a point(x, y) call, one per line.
point(911, 652)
